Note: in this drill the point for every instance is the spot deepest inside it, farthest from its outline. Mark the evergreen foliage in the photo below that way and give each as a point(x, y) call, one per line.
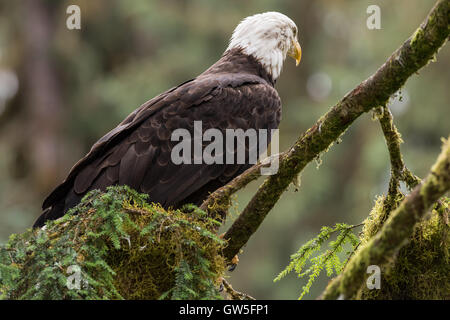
point(115, 245)
point(329, 259)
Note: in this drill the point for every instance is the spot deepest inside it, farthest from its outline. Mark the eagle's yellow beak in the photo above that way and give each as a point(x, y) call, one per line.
point(296, 52)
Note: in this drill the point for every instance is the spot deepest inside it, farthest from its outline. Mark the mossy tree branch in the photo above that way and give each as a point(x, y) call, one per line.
point(395, 233)
point(375, 91)
point(221, 198)
point(399, 172)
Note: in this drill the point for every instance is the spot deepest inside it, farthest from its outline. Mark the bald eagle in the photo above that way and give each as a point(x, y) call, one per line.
point(235, 92)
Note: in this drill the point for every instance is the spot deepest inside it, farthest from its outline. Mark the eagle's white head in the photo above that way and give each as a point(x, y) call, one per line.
point(268, 37)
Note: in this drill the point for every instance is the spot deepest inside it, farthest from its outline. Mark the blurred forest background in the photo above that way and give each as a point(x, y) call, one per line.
point(61, 90)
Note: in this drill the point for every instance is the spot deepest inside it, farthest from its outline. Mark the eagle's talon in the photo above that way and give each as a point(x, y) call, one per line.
point(232, 267)
point(234, 263)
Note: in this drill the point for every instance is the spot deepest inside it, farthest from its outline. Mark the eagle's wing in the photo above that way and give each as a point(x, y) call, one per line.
point(137, 152)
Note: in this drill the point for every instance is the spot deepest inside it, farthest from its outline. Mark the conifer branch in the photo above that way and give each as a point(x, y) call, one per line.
point(328, 260)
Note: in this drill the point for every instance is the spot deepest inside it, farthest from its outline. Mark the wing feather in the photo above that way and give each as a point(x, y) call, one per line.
point(138, 151)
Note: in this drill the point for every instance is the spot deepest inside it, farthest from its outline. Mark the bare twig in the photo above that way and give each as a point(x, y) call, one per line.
point(235, 295)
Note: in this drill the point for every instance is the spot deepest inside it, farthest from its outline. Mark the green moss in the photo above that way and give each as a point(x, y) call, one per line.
point(374, 221)
point(422, 268)
point(125, 249)
point(417, 36)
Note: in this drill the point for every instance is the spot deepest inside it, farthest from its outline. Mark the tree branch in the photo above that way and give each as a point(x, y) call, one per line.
point(222, 196)
point(393, 139)
point(395, 233)
point(399, 172)
point(415, 53)
point(233, 294)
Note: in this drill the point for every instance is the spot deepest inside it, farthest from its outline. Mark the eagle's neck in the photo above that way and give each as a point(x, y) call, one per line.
point(270, 57)
point(237, 61)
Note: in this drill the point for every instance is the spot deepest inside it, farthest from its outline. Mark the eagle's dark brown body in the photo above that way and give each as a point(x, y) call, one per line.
point(236, 92)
